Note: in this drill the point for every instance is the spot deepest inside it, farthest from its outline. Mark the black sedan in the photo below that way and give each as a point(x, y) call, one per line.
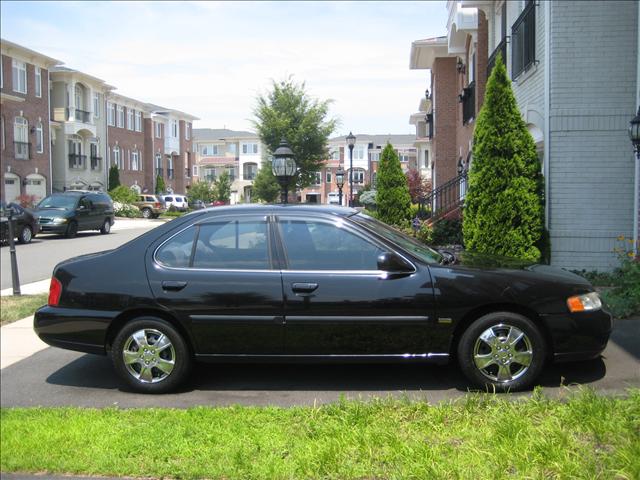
point(311, 283)
point(25, 223)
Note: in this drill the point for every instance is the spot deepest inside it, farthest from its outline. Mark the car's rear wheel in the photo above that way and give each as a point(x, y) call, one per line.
point(504, 351)
point(25, 234)
point(106, 227)
point(147, 213)
point(72, 230)
point(151, 356)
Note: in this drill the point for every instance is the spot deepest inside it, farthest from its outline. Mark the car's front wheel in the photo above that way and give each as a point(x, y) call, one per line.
point(150, 355)
point(25, 234)
point(72, 230)
point(504, 351)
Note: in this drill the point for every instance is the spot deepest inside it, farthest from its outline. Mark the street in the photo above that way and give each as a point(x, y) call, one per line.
point(55, 377)
point(37, 259)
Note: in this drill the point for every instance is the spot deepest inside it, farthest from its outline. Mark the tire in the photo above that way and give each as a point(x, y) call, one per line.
point(147, 213)
point(106, 227)
point(25, 235)
point(491, 361)
point(153, 371)
point(72, 230)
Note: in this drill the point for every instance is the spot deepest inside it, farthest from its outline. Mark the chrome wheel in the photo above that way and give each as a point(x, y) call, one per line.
point(149, 355)
point(502, 353)
point(25, 235)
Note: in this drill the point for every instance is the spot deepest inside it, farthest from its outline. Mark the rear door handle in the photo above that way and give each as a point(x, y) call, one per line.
point(304, 287)
point(173, 285)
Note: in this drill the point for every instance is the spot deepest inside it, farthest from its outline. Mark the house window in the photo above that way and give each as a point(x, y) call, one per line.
point(135, 160)
point(317, 178)
point(358, 176)
point(38, 82)
point(96, 105)
point(335, 155)
point(130, 118)
point(76, 159)
point(19, 71)
point(250, 148)
point(20, 137)
point(358, 152)
point(403, 157)
point(138, 121)
point(187, 131)
point(158, 129)
point(232, 148)
point(169, 167)
point(195, 170)
point(523, 40)
point(120, 116)
point(174, 128)
point(117, 158)
point(111, 114)
point(2, 139)
point(39, 138)
point(209, 150)
point(328, 177)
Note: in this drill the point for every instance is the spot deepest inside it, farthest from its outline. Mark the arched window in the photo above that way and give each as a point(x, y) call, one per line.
point(21, 138)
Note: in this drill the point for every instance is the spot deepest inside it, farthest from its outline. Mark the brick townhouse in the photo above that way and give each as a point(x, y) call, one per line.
point(24, 122)
point(575, 77)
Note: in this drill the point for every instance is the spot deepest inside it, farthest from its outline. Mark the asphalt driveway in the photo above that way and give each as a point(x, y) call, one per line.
point(54, 377)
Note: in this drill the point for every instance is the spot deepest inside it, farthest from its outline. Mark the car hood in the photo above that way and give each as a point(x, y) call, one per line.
point(52, 212)
point(496, 262)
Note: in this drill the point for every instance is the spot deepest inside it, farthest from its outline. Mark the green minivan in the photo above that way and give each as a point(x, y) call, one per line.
point(70, 212)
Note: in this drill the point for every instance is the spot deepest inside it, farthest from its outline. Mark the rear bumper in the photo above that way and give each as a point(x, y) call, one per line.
point(578, 336)
point(73, 329)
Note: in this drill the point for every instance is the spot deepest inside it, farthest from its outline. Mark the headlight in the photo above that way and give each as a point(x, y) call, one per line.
point(584, 303)
point(59, 220)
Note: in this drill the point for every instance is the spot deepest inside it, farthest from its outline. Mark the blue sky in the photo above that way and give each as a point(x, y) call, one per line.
point(212, 59)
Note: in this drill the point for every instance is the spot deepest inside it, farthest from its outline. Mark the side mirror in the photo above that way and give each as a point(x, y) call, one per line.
point(449, 258)
point(393, 263)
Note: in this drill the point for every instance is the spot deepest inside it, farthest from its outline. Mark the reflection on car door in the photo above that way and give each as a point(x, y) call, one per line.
point(219, 277)
point(84, 214)
point(336, 300)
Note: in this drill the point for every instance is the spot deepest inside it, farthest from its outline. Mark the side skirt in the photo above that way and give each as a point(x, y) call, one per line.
point(437, 358)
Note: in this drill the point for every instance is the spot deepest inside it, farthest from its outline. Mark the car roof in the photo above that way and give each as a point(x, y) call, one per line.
point(282, 208)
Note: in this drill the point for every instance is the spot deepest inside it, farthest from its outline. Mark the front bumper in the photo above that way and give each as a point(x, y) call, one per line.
point(578, 336)
point(73, 329)
point(53, 228)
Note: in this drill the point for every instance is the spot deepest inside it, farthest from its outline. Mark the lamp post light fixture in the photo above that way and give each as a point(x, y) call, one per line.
point(284, 167)
point(634, 133)
point(351, 141)
point(340, 183)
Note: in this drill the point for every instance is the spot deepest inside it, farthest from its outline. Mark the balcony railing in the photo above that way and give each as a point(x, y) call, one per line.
point(523, 40)
point(77, 161)
point(468, 99)
point(159, 172)
point(501, 49)
point(170, 173)
point(95, 162)
point(82, 116)
point(22, 150)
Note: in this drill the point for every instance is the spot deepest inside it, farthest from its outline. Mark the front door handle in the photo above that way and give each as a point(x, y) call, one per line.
point(304, 287)
point(173, 285)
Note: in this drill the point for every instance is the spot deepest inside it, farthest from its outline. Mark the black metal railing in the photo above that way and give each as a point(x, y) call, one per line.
point(523, 40)
point(501, 49)
point(82, 116)
point(468, 103)
point(22, 150)
point(445, 198)
point(77, 160)
point(159, 172)
point(169, 173)
point(95, 162)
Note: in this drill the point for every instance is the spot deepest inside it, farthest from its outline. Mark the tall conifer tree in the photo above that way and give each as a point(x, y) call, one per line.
point(392, 191)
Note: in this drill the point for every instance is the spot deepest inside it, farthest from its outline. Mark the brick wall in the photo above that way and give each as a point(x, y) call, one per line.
point(445, 87)
point(129, 141)
point(35, 110)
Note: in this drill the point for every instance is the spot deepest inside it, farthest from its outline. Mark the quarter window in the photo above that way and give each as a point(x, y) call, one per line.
point(176, 252)
point(318, 245)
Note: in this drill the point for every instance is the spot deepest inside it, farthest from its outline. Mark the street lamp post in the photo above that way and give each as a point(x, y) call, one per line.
point(351, 141)
point(340, 183)
point(284, 167)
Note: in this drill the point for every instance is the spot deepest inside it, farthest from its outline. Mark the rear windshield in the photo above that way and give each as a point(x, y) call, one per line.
point(59, 201)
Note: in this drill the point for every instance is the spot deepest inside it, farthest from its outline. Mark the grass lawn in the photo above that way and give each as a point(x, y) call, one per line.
point(481, 436)
point(14, 308)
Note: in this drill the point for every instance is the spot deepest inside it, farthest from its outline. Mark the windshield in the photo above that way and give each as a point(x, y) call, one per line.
point(408, 244)
point(58, 201)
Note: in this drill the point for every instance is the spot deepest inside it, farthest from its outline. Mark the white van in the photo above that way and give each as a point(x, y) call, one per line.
point(179, 202)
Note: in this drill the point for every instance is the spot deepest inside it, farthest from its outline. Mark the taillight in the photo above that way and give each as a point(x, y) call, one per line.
point(157, 204)
point(55, 289)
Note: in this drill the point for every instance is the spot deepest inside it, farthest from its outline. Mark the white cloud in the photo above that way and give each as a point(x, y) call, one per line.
point(211, 59)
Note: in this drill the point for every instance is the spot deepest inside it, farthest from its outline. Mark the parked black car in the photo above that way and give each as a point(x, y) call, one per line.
point(309, 283)
point(68, 213)
point(25, 225)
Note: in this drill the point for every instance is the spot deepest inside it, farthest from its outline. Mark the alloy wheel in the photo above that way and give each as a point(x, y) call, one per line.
point(502, 353)
point(149, 355)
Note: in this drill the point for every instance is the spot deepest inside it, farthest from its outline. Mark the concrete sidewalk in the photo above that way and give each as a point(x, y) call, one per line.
point(18, 341)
